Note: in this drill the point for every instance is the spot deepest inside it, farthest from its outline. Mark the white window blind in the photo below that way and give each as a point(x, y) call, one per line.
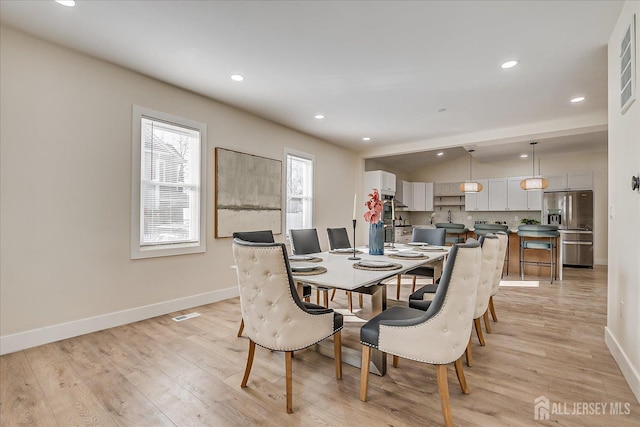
point(168, 212)
point(299, 192)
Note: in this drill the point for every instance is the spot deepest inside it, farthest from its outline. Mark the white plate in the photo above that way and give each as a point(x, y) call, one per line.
point(375, 264)
point(343, 250)
point(303, 267)
point(417, 244)
point(409, 254)
point(300, 258)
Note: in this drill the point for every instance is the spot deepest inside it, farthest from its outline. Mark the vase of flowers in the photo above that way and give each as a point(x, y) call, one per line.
point(376, 227)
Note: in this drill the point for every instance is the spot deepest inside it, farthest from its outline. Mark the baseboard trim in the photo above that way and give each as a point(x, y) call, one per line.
point(35, 337)
point(602, 261)
point(628, 370)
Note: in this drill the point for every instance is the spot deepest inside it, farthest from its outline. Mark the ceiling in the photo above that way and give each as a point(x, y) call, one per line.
point(396, 72)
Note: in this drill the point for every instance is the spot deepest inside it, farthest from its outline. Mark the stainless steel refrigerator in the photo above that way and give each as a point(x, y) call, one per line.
point(572, 212)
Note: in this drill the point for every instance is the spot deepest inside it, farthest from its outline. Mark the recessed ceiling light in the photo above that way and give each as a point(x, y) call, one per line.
point(69, 3)
point(524, 156)
point(578, 99)
point(319, 116)
point(509, 64)
point(440, 154)
point(237, 77)
point(366, 138)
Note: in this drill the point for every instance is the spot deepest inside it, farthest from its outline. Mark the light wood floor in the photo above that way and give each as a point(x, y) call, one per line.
point(548, 341)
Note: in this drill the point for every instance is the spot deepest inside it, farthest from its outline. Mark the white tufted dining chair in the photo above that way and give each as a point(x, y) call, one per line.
point(438, 336)
point(490, 250)
point(504, 240)
point(273, 314)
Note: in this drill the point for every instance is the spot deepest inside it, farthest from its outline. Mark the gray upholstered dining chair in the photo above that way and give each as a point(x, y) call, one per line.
point(264, 236)
point(432, 236)
point(504, 244)
point(535, 233)
point(275, 317)
point(304, 242)
point(482, 229)
point(455, 233)
point(339, 239)
point(438, 336)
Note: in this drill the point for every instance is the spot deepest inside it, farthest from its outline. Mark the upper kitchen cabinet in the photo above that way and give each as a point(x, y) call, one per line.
point(497, 194)
point(478, 201)
point(570, 181)
point(418, 196)
point(522, 200)
point(384, 181)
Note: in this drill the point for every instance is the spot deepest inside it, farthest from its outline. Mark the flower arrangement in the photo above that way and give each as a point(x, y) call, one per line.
point(374, 204)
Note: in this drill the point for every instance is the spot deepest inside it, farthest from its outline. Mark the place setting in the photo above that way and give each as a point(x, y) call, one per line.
point(376, 265)
point(408, 255)
point(307, 269)
point(304, 258)
point(345, 251)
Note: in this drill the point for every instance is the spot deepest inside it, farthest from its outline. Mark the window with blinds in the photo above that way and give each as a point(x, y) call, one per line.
point(169, 206)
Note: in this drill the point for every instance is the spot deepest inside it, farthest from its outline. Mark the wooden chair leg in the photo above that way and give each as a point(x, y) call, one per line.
point(492, 309)
point(325, 298)
point(395, 361)
point(476, 322)
point(364, 372)
point(360, 302)
point(241, 327)
point(468, 354)
point(349, 302)
point(287, 364)
point(460, 375)
point(487, 326)
point(333, 294)
point(337, 353)
point(247, 369)
point(317, 296)
point(443, 389)
point(413, 285)
point(399, 280)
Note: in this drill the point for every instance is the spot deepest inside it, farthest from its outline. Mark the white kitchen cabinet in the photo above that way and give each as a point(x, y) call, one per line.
point(384, 181)
point(419, 196)
point(498, 194)
point(570, 181)
point(407, 194)
point(478, 201)
point(428, 196)
point(522, 200)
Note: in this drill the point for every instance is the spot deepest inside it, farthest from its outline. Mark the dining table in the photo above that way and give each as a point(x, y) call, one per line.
point(365, 275)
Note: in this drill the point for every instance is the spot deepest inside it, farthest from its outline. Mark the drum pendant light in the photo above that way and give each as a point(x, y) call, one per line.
point(534, 183)
point(470, 186)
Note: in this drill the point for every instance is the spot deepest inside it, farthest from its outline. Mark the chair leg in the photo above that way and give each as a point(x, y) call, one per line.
point(241, 327)
point(395, 361)
point(413, 287)
point(325, 298)
point(360, 302)
point(460, 375)
point(399, 279)
point(349, 302)
point(317, 296)
point(337, 353)
point(476, 323)
point(443, 389)
point(487, 326)
point(492, 309)
point(247, 369)
point(468, 354)
point(364, 372)
point(333, 294)
point(287, 364)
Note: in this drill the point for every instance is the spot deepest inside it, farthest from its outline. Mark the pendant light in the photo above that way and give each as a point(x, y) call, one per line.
point(534, 183)
point(470, 186)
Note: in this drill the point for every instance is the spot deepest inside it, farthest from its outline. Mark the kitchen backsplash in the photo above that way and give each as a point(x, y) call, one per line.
point(462, 217)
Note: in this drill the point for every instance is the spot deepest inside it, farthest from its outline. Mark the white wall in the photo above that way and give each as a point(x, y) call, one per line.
point(622, 333)
point(458, 170)
point(66, 178)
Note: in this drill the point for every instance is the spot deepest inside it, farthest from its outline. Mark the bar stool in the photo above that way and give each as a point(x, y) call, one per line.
point(455, 233)
point(484, 229)
point(537, 232)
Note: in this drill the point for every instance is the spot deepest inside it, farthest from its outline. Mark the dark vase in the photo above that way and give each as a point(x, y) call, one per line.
point(376, 238)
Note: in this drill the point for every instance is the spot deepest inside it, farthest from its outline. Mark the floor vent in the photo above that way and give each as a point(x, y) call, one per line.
point(186, 316)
